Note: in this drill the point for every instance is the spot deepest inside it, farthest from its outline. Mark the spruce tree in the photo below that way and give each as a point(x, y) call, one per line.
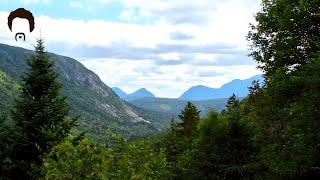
point(238, 145)
point(224, 148)
point(40, 115)
point(190, 117)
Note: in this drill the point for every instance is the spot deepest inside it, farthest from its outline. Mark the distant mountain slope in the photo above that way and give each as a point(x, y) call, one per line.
point(119, 92)
point(174, 106)
point(98, 105)
point(140, 93)
point(238, 87)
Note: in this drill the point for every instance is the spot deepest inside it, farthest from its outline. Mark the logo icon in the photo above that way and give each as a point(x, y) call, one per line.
point(23, 14)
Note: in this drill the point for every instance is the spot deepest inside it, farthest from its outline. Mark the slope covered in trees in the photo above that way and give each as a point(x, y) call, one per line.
point(174, 106)
point(99, 107)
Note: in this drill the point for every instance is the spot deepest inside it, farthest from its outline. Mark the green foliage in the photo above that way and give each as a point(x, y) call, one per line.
point(8, 88)
point(38, 117)
point(179, 139)
point(287, 34)
point(285, 117)
point(190, 118)
point(224, 147)
point(219, 148)
point(284, 114)
point(86, 160)
point(143, 159)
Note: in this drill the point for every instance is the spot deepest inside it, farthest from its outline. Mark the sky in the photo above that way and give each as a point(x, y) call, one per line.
point(166, 46)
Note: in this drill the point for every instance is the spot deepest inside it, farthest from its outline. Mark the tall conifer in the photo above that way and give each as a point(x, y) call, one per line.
point(40, 114)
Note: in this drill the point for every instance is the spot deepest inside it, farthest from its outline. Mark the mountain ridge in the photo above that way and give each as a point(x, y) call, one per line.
point(200, 92)
point(237, 86)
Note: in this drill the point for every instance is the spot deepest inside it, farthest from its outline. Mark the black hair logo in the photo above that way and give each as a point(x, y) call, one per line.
point(24, 14)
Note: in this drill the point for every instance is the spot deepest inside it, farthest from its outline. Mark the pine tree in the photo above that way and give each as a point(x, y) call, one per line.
point(233, 110)
point(178, 141)
point(39, 114)
point(232, 102)
point(190, 117)
point(224, 145)
point(238, 145)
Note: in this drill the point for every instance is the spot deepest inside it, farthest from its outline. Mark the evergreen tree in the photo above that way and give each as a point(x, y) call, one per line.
point(238, 145)
point(232, 102)
point(178, 142)
point(224, 148)
point(190, 117)
point(39, 115)
point(174, 146)
point(212, 136)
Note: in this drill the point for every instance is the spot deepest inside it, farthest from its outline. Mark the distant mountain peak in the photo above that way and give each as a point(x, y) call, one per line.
point(143, 90)
point(138, 94)
point(237, 86)
point(200, 86)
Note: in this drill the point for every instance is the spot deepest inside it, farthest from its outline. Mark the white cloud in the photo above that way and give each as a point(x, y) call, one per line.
point(164, 81)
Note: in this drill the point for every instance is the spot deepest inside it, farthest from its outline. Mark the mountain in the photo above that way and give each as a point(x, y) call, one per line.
point(174, 106)
point(119, 92)
point(237, 86)
point(100, 108)
point(140, 93)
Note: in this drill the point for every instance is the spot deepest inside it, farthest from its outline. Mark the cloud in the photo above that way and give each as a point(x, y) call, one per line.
point(189, 12)
point(180, 36)
point(221, 60)
point(121, 50)
point(174, 11)
point(209, 74)
point(165, 81)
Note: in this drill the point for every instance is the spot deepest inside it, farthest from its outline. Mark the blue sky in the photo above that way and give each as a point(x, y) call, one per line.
point(166, 46)
point(109, 10)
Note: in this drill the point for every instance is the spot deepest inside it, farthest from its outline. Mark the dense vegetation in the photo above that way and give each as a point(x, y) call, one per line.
point(271, 134)
point(39, 120)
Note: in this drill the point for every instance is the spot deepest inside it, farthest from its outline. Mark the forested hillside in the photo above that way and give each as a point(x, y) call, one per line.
point(175, 106)
point(99, 107)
